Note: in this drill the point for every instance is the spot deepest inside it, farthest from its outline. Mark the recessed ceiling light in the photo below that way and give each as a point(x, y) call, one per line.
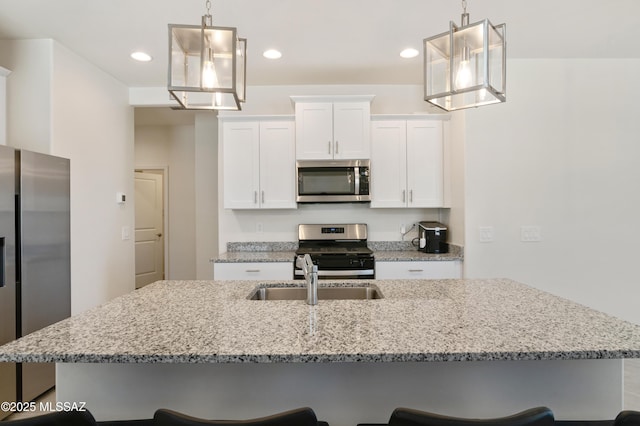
point(141, 56)
point(272, 54)
point(409, 53)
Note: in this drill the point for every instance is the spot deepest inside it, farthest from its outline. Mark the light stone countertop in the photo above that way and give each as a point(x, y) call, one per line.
point(255, 256)
point(395, 251)
point(417, 320)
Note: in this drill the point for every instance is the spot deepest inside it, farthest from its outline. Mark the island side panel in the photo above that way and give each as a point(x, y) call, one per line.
point(345, 394)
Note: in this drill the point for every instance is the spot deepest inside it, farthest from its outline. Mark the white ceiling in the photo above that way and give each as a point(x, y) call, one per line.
point(322, 41)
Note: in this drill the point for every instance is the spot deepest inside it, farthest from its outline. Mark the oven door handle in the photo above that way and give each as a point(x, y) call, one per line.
point(335, 273)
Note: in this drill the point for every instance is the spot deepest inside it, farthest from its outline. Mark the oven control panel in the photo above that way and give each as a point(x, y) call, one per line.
point(332, 230)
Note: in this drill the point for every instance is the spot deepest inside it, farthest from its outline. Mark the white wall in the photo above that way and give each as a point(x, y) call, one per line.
point(206, 196)
point(389, 99)
point(561, 154)
point(3, 104)
point(182, 223)
point(173, 147)
point(92, 124)
point(29, 91)
point(60, 104)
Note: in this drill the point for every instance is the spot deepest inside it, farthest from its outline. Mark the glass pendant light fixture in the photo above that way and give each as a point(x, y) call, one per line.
point(207, 65)
point(466, 66)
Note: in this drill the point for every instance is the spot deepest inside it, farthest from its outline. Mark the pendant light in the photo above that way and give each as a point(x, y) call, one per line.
point(207, 65)
point(466, 66)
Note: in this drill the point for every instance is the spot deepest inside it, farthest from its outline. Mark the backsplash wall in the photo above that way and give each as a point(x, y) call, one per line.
point(282, 225)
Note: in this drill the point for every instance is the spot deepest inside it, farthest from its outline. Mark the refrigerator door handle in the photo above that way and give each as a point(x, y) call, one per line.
point(3, 275)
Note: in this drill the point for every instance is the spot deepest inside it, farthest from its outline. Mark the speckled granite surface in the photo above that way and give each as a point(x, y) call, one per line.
point(418, 320)
point(385, 251)
point(255, 256)
point(262, 246)
point(392, 253)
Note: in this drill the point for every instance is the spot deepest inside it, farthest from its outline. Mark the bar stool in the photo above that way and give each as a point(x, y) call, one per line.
point(58, 418)
point(539, 416)
point(298, 417)
point(627, 418)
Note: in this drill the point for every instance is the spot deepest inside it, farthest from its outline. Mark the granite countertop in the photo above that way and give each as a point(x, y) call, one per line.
point(417, 320)
point(384, 251)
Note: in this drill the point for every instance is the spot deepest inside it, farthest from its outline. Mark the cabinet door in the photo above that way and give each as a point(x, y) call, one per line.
point(425, 172)
point(351, 130)
point(388, 164)
point(314, 130)
point(277, 165)
point(419, 270)
point(253, 271)
point(241, 164)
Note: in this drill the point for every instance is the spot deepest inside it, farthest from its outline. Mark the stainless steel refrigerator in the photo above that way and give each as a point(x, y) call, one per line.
point(35, 266)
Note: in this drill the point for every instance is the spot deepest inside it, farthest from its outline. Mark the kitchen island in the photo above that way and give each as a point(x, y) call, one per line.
point(462, 347)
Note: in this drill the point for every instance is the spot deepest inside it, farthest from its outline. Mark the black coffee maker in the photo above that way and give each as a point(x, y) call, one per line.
point(432, 237)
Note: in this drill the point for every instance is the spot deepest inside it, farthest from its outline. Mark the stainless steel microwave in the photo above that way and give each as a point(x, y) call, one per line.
point(333, 181)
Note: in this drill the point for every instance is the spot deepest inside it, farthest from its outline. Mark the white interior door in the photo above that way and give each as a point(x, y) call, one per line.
point(149, 235)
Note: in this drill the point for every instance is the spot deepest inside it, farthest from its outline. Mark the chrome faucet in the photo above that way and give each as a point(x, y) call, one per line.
point(311, 276)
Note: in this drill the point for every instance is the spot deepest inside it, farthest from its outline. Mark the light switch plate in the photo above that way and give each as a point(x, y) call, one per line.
point(530, 234)
point(486, 234)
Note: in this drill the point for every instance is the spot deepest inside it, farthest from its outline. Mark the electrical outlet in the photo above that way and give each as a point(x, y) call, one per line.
point(486, 234)
point(403, 228)
point(259, 227)
point(125, 233)
point(530, 234)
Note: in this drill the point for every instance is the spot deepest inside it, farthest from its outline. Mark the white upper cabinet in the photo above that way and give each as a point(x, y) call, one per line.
point(259, 164)
point(332, 127)
point(277, 165)
point(388, 163)
point(407, 163)
point(425, 164)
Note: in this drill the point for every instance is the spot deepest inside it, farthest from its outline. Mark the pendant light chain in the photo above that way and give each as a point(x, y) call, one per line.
point(465, 16)
point(207, 18)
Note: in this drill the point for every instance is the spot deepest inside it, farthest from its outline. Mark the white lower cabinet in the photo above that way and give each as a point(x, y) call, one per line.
point(419, 269)
point(253, 271)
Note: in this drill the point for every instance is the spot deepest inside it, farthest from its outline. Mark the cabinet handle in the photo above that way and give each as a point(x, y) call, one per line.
point(262, 196)
point(255, 197)
point(404, 195)
point(252, 270)
point(411, 195)
point(329, 147)
point(416, 270)
point(337, 147)
point(3, 274)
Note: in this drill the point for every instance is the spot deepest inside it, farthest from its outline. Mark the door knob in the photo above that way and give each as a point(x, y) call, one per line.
point(158, 235)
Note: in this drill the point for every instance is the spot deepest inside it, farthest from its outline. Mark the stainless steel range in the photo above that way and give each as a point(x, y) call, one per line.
point(339, 251)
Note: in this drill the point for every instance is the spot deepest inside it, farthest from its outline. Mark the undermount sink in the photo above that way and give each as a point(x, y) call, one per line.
point(324, 293)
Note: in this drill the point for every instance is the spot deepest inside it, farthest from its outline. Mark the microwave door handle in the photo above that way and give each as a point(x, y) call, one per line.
point(356, 172)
